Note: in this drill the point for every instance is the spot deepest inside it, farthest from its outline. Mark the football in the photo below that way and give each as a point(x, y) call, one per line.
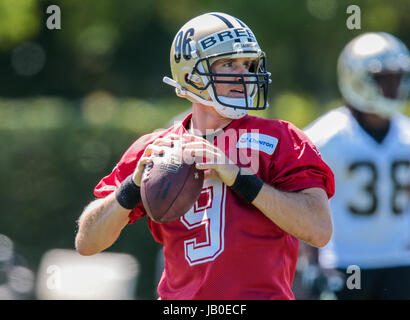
point(169, 186)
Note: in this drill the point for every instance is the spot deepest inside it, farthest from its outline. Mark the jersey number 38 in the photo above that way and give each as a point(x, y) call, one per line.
point(399, 175)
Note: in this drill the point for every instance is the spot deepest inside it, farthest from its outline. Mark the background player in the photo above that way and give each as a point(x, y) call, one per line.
point(266, 187)
point(367, 145)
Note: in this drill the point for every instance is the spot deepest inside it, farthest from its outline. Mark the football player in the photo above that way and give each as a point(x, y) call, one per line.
point(367, 145)
point(265, 184)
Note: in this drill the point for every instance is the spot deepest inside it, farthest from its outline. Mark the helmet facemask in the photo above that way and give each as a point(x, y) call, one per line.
point(392, 85)
point(254, 84)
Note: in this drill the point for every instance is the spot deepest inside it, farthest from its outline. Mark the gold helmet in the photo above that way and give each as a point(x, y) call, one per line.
point(206, 39)
point(368, 61)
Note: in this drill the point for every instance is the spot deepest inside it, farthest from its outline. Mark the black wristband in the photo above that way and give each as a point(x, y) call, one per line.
point(128, 194)
point(247, 186)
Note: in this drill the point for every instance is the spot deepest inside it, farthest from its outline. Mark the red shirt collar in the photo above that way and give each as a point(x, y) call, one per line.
point(182, 127)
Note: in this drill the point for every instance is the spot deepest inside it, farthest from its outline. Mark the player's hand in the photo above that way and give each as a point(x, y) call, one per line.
point(155, 149)
point(197, 149)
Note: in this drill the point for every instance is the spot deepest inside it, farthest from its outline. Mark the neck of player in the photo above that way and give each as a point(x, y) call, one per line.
point(205, 119)
point(376, 126)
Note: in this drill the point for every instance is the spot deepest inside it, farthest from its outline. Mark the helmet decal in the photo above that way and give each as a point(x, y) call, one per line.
point(182, 45)
point(236, 34)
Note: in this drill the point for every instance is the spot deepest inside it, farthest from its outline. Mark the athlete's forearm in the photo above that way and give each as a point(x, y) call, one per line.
point(304, 214)
point(99, 225)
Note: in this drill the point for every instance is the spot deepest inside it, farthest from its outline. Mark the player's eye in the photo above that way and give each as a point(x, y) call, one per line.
point(252, 66)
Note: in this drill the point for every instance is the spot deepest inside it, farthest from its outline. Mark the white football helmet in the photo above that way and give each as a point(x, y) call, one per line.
point(363, 62)
point(206, 39)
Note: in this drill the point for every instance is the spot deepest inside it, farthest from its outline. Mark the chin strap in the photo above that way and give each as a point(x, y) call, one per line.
point(183, 93)
point(173, 83)
point(222, 110)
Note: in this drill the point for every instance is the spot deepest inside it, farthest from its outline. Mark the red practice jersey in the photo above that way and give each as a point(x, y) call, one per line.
point(225, 248)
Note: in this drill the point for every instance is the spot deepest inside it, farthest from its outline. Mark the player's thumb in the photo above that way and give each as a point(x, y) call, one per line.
point(203, 166)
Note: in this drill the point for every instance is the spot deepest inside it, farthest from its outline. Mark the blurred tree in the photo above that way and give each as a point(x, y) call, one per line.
point(123, 46)
point(19, 21)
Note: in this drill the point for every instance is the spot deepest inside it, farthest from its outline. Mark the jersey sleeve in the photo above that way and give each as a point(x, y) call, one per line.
point(122, 170)
point(298, 165)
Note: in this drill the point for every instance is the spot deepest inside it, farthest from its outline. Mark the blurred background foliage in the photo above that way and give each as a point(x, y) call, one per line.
point(72, 100)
